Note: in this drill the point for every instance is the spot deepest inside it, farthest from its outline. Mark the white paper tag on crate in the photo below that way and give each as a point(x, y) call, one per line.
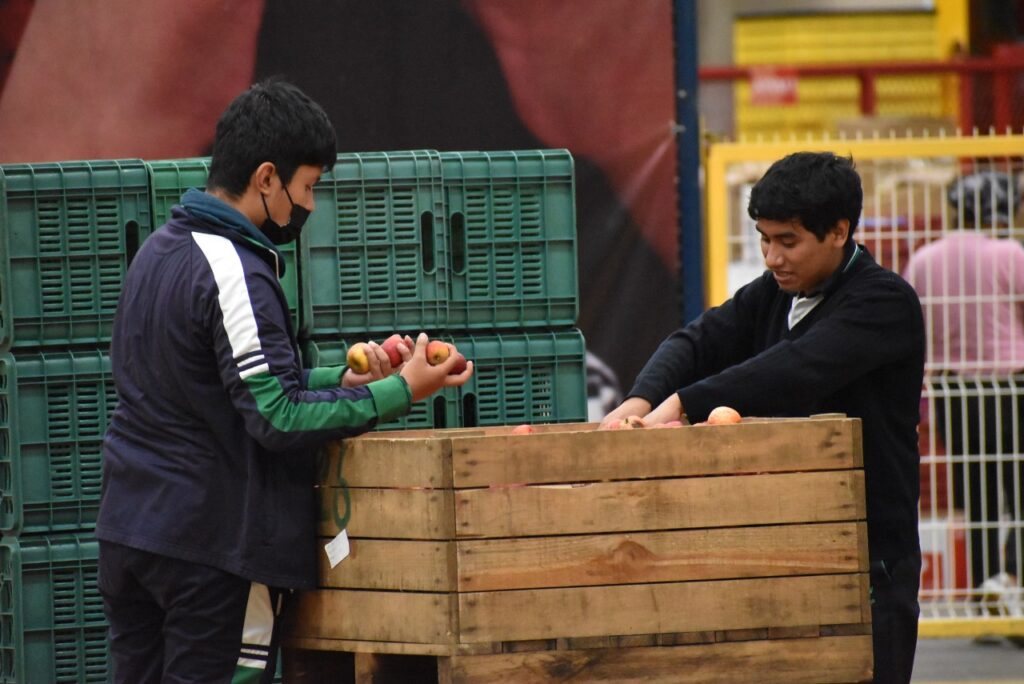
point(337, 549)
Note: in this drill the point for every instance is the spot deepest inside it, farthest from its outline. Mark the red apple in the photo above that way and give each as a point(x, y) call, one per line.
point(437, 352)
point(522, 430)
point(460, 361)
point(390, 347)
point(357, 358)
point(723, 415)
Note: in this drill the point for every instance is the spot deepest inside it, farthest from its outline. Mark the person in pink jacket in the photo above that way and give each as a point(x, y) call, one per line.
point(971, 286)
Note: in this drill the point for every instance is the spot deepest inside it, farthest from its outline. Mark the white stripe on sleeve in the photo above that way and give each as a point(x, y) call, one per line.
point(233, 296)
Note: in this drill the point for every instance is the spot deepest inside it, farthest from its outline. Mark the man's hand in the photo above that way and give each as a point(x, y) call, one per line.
point(669, 410)
point(634, 406)
point(424, 379)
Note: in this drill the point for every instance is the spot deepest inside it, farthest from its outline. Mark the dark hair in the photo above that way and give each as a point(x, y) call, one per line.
point(271, 121)
point(817, 188)
point(984, 197)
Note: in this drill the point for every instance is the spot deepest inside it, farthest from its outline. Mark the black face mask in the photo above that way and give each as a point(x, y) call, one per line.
point(281, 235)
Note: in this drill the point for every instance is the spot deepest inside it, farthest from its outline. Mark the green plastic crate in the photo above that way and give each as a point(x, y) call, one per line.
point(373, 251)
point(536, 377)
point(54, 410)
point(52, 626)
point(170, 178)
point(511, 224)
point(67, 233)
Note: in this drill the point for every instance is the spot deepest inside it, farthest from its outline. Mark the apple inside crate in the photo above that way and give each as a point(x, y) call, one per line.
point(465, 541)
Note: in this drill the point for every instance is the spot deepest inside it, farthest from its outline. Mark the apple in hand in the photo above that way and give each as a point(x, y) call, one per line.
point(630, 423)
point(390, 347)
point(437, 352)
point(633, 423)
point(460, 361)
point(358, 359)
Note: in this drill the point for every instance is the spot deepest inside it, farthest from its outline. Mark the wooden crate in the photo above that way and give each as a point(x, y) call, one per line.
point(713, 550)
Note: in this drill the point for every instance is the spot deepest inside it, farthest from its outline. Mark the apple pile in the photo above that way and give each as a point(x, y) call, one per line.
point(437, 352)
point(721, 415)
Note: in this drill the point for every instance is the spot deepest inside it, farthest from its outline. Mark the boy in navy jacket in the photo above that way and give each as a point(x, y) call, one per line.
point(207, 515)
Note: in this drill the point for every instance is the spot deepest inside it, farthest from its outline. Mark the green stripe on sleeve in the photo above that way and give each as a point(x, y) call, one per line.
point(392, 396)
point(325, 377)
point(288, 416)
point(246, 675)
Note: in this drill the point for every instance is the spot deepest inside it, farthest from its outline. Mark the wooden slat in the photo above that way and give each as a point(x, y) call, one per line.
point(800, 631)
point(788, 661)
point(387, 462)
point(845, 630)
point(409, 617)
point(682, 555)
point(391, 564)
point(684, 503)
point(393, 647)
point(755, 447)
point(742, 634)
point(389, 513)
point(656, 608)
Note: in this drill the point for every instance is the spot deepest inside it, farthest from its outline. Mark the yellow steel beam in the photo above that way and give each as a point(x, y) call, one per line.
point(722, 154)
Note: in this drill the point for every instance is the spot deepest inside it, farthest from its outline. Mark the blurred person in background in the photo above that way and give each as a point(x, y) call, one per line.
point(971, 285)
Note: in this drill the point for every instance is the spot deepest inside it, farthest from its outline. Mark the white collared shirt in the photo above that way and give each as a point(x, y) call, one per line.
point(801, 306)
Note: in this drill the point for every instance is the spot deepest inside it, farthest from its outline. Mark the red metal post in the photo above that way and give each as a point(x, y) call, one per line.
point(868, 93)
point(966, 101)
point(1001, 86)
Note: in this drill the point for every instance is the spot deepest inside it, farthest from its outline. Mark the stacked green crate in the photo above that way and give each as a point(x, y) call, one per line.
point(67, 232)
point(374, 258)
point(54, 409)
point(511, 219)
point(51, 614)
point(477, 246)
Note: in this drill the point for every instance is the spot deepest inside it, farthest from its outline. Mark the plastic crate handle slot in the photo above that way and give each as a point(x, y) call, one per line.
point(7, 513)
point(6, 592)
point(458, 243)
point(440, 412)
point(427, 240)
point(469, 417)
point(131, 239)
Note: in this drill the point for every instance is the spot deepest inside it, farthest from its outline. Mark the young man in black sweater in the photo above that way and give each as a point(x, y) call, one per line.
point(824, 329)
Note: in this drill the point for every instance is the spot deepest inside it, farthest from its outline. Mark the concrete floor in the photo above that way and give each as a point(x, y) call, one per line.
point(966, 660)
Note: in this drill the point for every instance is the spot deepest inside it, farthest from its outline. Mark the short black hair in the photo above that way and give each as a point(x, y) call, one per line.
point(985, 198)
point(817, 188)
point(271, 121)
